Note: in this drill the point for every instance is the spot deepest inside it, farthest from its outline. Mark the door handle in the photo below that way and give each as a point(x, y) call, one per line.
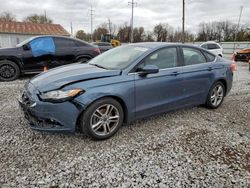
point(210, 69)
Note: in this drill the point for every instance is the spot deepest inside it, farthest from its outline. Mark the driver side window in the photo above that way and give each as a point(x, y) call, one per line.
point(163, 58)
point(42, 46)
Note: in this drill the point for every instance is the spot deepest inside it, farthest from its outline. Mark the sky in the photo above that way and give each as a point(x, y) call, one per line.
point(147, 13)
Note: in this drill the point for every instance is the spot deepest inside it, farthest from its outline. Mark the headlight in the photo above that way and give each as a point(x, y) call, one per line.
point(60, 96)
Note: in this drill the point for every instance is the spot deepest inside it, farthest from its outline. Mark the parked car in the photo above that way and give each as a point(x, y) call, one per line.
point(33, 54)
point(103, 46)
point(243, 55)
point(213, 47)
point(125, 84)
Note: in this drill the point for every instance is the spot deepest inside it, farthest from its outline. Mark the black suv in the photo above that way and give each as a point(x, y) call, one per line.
point(36, 53)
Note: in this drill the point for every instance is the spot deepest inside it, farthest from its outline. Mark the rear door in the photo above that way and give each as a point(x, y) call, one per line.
point(162, 91)
point(198, 74)
point(66, 50)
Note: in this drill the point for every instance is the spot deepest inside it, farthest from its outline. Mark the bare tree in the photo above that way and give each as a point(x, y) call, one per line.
point(124, 32)
point(139, 34)
point(99, 31)
point(7, 16)
point(162, 31)
point(149, 36)
point(80, 34)
point(219, 31)
point(35, 18)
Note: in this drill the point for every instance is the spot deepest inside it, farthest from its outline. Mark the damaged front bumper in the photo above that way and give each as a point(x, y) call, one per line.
point(46, 116)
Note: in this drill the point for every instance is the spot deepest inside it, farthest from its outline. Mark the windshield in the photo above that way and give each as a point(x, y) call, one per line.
point(119, 57)
point(25, 42)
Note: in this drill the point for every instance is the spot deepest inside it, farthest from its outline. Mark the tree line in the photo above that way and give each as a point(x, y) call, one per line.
point(208, 31)
point(33, 18)
point(163, 32)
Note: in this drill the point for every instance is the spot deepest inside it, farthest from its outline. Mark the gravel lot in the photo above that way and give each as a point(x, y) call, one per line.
point(195, 147)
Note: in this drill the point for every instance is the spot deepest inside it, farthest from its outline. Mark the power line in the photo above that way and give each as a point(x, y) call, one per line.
point(133, 4)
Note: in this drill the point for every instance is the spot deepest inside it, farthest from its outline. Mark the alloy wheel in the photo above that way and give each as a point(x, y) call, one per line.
point(105, 119)
point(217, 95)
point(7, 71)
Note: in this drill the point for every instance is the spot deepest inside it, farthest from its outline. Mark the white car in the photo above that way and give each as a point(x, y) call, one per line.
point(213, 47)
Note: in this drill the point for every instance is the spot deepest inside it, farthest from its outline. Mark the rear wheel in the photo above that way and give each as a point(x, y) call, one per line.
point(216, 95)
point(9, 70)
point(102, 119)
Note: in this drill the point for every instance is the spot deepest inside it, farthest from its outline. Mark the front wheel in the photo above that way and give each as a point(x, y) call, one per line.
point(102, 119)
point(216, 95)
point(9, 70)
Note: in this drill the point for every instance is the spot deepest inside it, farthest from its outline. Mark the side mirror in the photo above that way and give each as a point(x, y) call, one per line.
point(148, 69)
point(26, 47)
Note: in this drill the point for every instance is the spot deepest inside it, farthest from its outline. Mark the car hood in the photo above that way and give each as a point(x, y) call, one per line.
point(8, 51)
point(59, 77)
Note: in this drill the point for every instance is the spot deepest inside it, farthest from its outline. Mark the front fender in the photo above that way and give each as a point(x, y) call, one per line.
point(123, 93)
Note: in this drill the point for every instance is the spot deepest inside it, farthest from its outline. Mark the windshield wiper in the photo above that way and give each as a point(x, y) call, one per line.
point(99, 66)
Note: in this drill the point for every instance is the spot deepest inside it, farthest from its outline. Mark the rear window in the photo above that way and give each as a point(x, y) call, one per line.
point(80, 43)
point(210, 57)
point(193, 56)
point(204, 46)
point(64, 43)
point(212, 46)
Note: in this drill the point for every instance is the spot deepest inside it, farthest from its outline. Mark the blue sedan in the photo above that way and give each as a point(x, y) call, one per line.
point(125, 84)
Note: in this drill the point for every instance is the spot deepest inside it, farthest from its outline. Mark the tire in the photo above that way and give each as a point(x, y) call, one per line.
point(9, 70)
point(83, 60)
point(216, 95)
point(102, 119)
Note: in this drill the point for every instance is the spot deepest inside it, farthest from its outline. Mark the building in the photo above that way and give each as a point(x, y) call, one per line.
point(12, 33)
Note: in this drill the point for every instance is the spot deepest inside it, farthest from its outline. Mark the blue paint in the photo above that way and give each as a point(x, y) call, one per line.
point(42, 46)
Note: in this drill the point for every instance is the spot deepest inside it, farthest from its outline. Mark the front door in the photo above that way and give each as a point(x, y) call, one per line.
point(162, 91)
point(38, 53)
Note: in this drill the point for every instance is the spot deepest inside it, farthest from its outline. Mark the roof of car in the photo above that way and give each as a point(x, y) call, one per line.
point(153, 45)
point(59, 36)
point(213, 42)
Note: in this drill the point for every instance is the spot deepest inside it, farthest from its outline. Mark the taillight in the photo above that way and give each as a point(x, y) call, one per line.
point(233, 66)
point(97, 50)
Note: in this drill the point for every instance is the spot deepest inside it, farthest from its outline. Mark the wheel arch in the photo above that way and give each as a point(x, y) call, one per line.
point(14, 60)
point(83, 56)
point(117, 98)
point(224, 82)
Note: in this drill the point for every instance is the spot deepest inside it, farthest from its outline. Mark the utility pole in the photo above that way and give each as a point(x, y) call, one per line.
point(71, 29)
point(238, 25)
point(91, 21)
point(183, 21)
point(132, 20)
point(109, 26)
point(45, 16)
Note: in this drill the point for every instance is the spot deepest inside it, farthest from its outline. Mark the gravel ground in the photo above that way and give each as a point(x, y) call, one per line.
point(195, 147)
